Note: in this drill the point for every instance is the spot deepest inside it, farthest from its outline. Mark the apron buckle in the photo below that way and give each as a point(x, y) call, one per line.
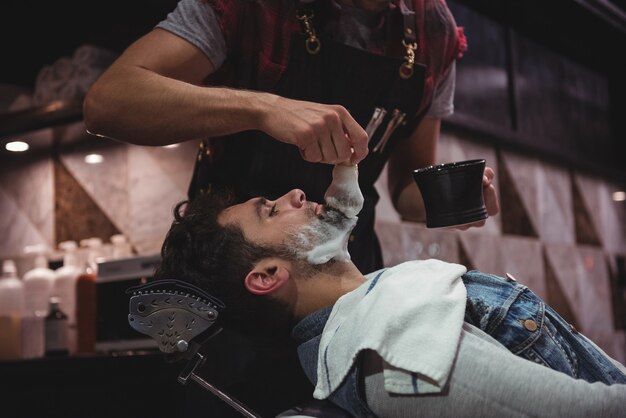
point(312, 42)
point(406, 68)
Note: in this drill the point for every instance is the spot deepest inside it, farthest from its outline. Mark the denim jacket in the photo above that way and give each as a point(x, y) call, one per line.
point(504, 309)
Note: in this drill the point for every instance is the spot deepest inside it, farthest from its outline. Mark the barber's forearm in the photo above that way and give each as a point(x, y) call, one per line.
point(409, 204)
point(135, 105)
point(138, 106)
point(419, 149)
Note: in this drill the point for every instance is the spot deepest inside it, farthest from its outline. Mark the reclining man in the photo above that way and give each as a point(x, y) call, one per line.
point(423, 338)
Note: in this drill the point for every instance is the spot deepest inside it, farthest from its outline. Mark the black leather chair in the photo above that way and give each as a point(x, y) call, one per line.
point(315, 408)
point(181, 317)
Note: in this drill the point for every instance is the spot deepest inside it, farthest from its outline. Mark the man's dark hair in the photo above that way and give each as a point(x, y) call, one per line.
point(216, 258)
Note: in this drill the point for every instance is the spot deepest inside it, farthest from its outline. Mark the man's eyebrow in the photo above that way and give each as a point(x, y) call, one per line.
point(258, 205)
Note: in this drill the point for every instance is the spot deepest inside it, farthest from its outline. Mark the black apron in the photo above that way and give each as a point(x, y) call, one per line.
point(253, 164)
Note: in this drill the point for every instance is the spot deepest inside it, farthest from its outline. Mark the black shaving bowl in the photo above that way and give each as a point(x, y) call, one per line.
point(452, 193)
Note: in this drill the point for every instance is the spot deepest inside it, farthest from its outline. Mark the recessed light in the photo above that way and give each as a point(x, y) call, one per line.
point(16, 146)
point(619, 196)
point(94, 159)
point(171, 146)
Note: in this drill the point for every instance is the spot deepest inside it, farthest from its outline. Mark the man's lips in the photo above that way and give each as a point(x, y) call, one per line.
point(318, 209)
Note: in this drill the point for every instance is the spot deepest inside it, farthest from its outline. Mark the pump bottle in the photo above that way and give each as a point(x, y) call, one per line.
point(37, 291)
point(121, 247)
point(56, 327)
point(86, 299)
point(11, 312)
point(64, 288)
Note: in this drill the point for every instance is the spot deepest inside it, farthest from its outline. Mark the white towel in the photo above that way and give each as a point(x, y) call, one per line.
point(411, 315)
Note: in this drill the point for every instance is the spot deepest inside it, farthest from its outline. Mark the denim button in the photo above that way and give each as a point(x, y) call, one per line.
point(530, 325)
point(510, 277)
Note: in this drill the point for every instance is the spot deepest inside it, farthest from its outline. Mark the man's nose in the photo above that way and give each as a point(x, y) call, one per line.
point(295, 198)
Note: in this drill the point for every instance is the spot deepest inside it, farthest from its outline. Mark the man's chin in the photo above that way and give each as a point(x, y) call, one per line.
point(325, 238)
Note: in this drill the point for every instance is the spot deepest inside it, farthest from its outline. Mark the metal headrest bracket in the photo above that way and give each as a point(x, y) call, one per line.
point(179, 316)
point(172, 312)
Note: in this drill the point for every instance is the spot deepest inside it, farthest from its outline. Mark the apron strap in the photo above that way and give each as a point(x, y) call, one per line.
point(408, 17)
point(409, 40)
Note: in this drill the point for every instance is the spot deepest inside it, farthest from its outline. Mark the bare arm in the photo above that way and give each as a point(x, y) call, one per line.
point(417, 150)
point(153, 95)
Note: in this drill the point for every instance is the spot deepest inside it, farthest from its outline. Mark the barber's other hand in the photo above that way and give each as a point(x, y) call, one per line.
point(322, 133)
point(492, 204)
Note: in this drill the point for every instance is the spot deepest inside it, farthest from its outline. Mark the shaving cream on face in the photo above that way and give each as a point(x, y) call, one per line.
point(326, 237)
point(323, 238)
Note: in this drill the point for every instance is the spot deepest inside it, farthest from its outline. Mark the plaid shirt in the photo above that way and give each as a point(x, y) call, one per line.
point(258, 35)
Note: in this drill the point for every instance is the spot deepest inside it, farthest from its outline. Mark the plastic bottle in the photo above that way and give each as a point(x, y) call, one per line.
point(56, 330)
point(121, 247)
point(11, 312)
point(83, 252)
point(38, 281)
point(86, 309)
point(37, 291)
point(64, 288)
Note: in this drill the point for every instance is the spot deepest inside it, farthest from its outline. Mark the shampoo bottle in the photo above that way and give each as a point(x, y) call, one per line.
point(64, 288)
point(86, 299)
point(11, 312)
point(56, 327)
point(37, 291)
point(121, 247)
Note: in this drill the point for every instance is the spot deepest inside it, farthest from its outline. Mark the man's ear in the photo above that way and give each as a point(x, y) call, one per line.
point(267, 276)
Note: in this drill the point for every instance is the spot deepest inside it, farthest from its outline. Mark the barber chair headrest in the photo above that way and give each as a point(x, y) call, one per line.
point(178, 315)
point(181, 317)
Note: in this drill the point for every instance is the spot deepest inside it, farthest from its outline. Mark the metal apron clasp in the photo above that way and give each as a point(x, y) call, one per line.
point(406, 68)
point(312, 42)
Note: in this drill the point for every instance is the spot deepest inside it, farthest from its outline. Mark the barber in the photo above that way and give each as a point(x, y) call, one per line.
point(277, 87)
point(279, 91)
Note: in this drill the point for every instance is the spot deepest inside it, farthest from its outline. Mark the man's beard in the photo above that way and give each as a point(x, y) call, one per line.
point(324, 238)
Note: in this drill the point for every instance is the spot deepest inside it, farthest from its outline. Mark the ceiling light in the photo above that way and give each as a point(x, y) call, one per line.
point(171, 146)
point(619, 196)
point(16, 146)
point(94, 159)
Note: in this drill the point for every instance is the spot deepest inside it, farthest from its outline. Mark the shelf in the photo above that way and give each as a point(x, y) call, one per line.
point(55, 113)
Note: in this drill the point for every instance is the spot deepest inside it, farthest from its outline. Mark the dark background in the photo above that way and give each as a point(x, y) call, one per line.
point(521, 38)
point(546, 78)
point(34, 33)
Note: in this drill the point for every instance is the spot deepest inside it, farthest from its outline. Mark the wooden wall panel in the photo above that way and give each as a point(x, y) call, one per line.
point(482, 85)
point(76, 215)
point(563, 106)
